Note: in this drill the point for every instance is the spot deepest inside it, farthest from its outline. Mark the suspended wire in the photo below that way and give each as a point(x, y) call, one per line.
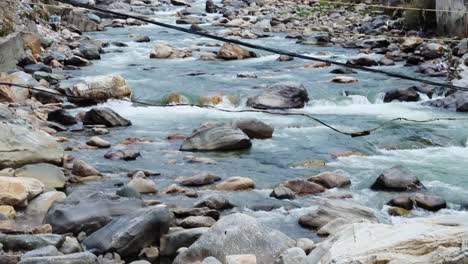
point(271, 112)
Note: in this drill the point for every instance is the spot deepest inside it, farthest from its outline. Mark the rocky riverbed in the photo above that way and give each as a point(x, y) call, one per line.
point(86, 176)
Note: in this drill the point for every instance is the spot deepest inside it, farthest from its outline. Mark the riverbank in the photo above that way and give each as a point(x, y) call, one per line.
point(102, 180)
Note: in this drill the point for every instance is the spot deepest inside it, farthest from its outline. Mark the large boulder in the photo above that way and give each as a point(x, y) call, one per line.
point(129, 234)
point(231, 51)
point(254, 128)
point(88, 211)
point(282, 95)
point(397, 178)
point(234, 235)
point(50, 175)
point(163, 51)
point(403, 95)
point(99, 89)
point(20, 146)
point(105, 116)
point(216, 137)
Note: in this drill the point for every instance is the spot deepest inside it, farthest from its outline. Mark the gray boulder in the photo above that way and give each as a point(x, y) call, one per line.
point(104, 116)
point(77, 258)
point(216, 138)
point(254, 128)
point(409, 94)
point(171, 242)
point(282, 95)
point(282, 192)
point(234, 235)
point(129, 234)
point(46, 251)
point(90, 51)
point(397, 178)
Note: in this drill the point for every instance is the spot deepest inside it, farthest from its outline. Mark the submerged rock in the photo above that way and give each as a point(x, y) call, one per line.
point(218, 137)
point(234, 235)
point(231, 51)
point(126, 154)
point(104, 116)
point(397, 178)
point(282, 95)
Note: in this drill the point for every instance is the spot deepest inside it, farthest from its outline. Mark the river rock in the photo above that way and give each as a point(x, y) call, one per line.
point(88, 211)
point(305, 244)
point(171, 242)
point(282, 192)
point(77, 61)
point(50, 175)
point(235, 184)
point(403, 95)
point(83, 169)
point(363, 60)
point(38, 207)
point(197, 211)
point(302, 187)
point(143, 185)
point(12, 93)
point(90, 51)
point(457, 101)
point(217, 137)
point(30, 242)
point(100, 88)
point(216, 202)
point(254, 128)
point(330, 180)
point(285, 58)
point(77, 258)
point(126, 154)
point(319, 38)
point(210, 7)
point(397, 178)
point(47, 251)
point(411, 43)
point(32, 68)
point(424, 201)
point(237, 234)
point(98, 142)
point(344, 79)
point(104, 116)
point(163, 51)
point(211, 260)
point(403, 201)
point(293, 255)
point(20, 146)
point(61, 116)
point(281, 95)
point(141, 38)
point(7, 211)
point(129, 234)
point(432, 51)
point(231, 51)
point(197, 221)
point(343, 70)
point(200, 180)
point(16, 191)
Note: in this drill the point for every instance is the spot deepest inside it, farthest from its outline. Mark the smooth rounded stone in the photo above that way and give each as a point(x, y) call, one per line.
point(386, 62)
point(216, 138)
point(282, 192)
point(126, 154)
point(99, 89)
point(38, 207)
point(333, 226)
point(241, 259)
point(235, 183)
point(216, 202)
point(190, 20)
point(203, 211)
point(172, 241)
point(62, 117)
point(98, 142)
point(411, 43)
point(397, 178)
point(90, 51)
point(142, 173)
point(211, 260)
point(77, 258)
point(306, 244)
point(402, 94)
point(143, 185)
point(285, 58)
point(77, 61)
point(343, 71)
point(429, 202)
point(303, 187)
point(7, 211)
point(363, 60)
point(20, 146)
point(283, 95)
point(237, 234)
point(200, 180)
point(16, 191)
point(70, 245)
point(129, 234)
point(231, 51)
point(47, 251)
point(294, 255)
point(13, 93)
point(127, 191)
point(104, 116)
point(88, 211)
point(403, 201)
point(330, 180)
point(29, 242)
point(164, 51)
point(50, 175)
point(344, 79)
point(197, 221)
point(332, 209)
point(254, 128)
point(83, 169)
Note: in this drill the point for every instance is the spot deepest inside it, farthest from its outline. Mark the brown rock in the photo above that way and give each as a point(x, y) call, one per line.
point(301, 187)
point(235, 184)
point(83, 169)
point(330, 180)
point(231, 51)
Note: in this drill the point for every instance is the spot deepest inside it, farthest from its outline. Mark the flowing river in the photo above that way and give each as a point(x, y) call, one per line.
point(436, 152)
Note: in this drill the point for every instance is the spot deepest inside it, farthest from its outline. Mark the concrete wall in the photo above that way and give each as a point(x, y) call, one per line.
point(450, 23)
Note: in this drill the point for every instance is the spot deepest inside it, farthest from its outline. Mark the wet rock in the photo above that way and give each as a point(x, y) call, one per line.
point(363, 60)
point(104, 116)
point(398, 211)
point(231, 51)
point(98, 142)
point(397, 178)
point(126, 154)
point(30, 242)
point(62, 117)
point(457, 101)
point(432, 51)
point(216, 202)
point(218, 137)
point(83, 169)
point(20, 146)
point(50, 175)
point(302, 187)
point(163, 51)
point(77, 258)
point(386, 62)
point(173, 188)
point(411, 43)
point(252, 75)
point(344, 79)
point(402, 201)
point(282, 95)
point(403, 95)
point(424, 201)
point(343, 71)
point(90, 51)
point(197, 221)
point(235, 184)
point(200, 180)
point(330, 180)
point(254, 128)
point(201, 211)
point(38, 207)
point(88, 211)
point(128, 234)
point(47, 251)
point(171, 242)
point(414, 60)
point(285, 58)
point(374, 43)
point(143, 185)
point(281, 192)
point(237, 234)
point(16, 191)
point(100, 88)
point(293, 255)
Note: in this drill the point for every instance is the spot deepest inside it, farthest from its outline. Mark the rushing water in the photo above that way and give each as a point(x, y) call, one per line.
point(436, 152)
